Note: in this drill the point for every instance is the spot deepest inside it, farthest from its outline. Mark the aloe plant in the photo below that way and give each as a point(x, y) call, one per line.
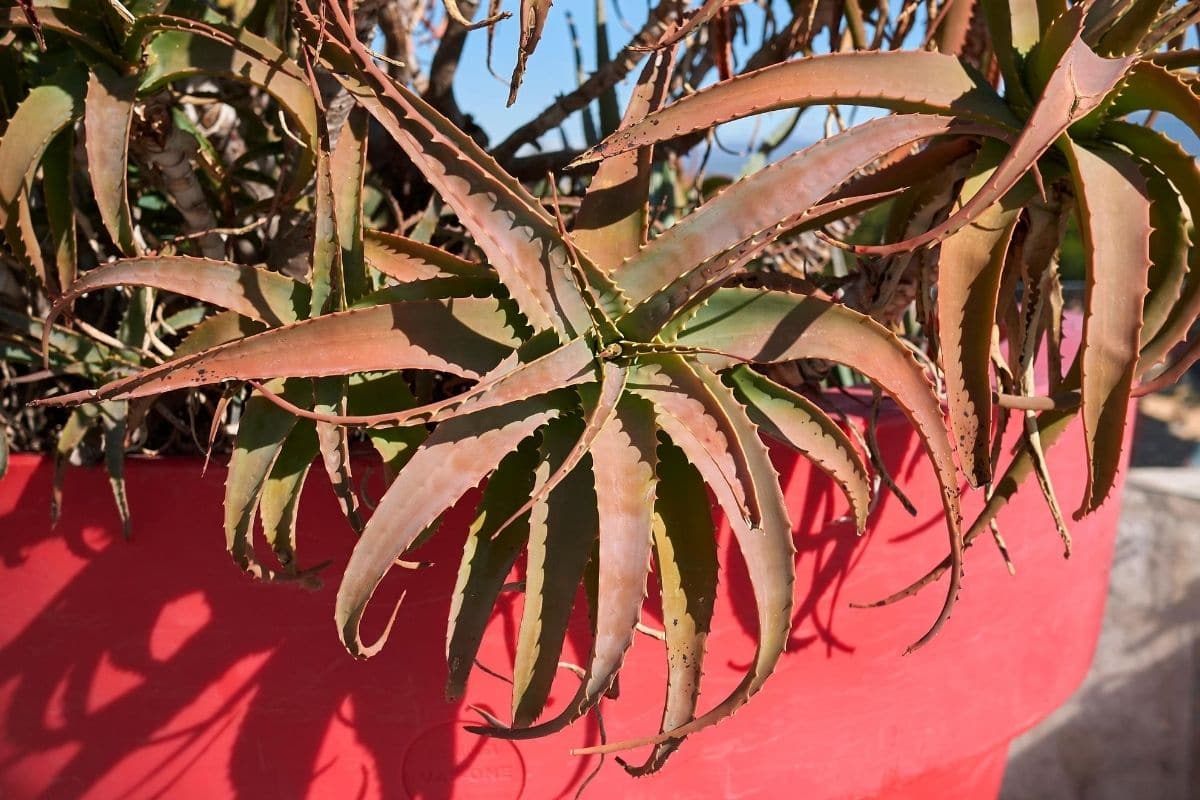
point(611, 377)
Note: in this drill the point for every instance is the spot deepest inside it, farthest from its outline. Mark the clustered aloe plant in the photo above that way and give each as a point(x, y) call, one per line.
point(600, 379)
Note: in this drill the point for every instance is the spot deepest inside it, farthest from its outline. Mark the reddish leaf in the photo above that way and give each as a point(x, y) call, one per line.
point(766, 326)
point(723, 234)
point(1080, 83)
point(458, 455)
point(796, 421)
point(611, 223)
point(464, 337)
point(1115, 222)
point(108, 114)
point(907, 81)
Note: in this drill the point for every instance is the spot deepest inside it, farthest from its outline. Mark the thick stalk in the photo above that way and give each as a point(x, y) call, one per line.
point(167, 152)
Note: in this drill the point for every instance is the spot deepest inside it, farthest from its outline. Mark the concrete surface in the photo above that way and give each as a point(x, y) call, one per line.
point(1132, 731)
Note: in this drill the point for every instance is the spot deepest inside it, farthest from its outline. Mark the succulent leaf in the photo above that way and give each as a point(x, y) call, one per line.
point(488, 557)
point(796, 421)
point(710, 244)
point(685, 558)
point(1080, 83)
point(107, 117)
point(905, 81)
point(968, 287)
point(1115, 222)
point(768, 326)
point(455, 457)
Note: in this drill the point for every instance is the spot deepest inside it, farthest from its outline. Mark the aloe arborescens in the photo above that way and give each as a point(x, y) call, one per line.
point(613, 376)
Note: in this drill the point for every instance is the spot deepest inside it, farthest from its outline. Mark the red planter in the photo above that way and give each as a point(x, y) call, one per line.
point(155, 669)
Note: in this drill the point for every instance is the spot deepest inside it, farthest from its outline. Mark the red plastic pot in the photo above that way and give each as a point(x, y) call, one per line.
point(153, 668)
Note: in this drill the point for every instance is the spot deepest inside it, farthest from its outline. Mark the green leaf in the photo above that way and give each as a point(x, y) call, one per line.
point(218, 329)
point(181, 49)
point(1150, 87)
point(1169, 250)
point(58, 193)
point(380, 393)
point(113, 417)
point(623, 459)
point(48, 108)
point(563, 526)
point(279, 502)
point(347, 167)
point(262, 431)
point(70, 437)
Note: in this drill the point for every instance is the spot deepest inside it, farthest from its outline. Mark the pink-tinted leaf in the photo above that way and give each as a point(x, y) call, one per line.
point(717, 239)
point(907, 81)
point(1171, 159)
point(567, 365)
point(1115, 223)
point(768, 553)
point(533, 19)
point(107, 116)
point(251, 292)
point(612, 219)
point(767, 326)
point(623, 465)
point(464, 337)
point(458, 455)
point(329, 395)
point(796, 421)
point(518, 236)
point(968, 285)
point(599, 404)
point(685, 552)
point(1081, 82)
point(691, 415)
point(707, 10)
